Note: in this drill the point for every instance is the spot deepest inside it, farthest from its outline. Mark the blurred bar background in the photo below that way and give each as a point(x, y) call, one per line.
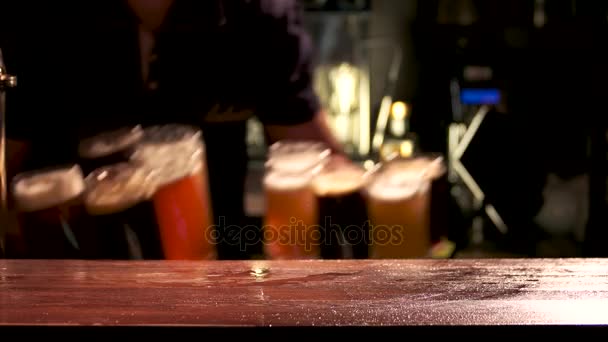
point(512, 93)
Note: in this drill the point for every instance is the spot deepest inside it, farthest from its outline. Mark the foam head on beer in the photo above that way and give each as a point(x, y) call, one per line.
point(171, 152)
point(170, 134)
point(117, 187)
point(179, 164)
point(297, 155)
point(296, 146)
point(291, 164)
point(338, 181)
point(398, 183)
point(281, 181)
point(429, 168)
point(44, 189)
point(110, 142)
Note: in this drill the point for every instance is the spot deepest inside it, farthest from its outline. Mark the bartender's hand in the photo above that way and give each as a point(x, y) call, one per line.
point(316, 129)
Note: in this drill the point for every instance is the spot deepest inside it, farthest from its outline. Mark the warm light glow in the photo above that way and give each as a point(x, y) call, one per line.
point(364, 114)
point(390, 151)
point(407, 149)
point(344, 79)
point(344, 91)
point(342, 124)
point(399, 110)
point(398, 128)
point(369, 164)
point(383, 120)
point(259, 270)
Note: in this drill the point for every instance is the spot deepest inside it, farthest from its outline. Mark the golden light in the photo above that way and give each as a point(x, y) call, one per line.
point(344, 79)
point(399, 110)
point(369, 164)
point(259, 270)
point(406, 149)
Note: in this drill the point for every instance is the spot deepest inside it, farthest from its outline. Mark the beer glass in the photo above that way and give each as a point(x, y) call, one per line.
point(175, 154)
point(119, 199)
point(290, 224)
point(297, 154)
point(51, 214)
point(439, 211)
point(108, 148)
point(343, 220)
point(398, 206)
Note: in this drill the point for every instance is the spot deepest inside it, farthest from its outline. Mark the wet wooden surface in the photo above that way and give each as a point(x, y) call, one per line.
point(305, 293)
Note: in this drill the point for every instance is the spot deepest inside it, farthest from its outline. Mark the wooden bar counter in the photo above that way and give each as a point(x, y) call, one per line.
point(425, 297)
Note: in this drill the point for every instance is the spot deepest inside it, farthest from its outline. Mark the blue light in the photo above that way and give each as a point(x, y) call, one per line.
point(480, 96)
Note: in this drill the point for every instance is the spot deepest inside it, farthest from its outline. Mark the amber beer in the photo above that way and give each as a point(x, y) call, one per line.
point(343, 220)
point(176, 156)
point(118, 198)
point(108, 148)
point(290, 224)
point(51, 214)
point(399, 201)
point(290, 216)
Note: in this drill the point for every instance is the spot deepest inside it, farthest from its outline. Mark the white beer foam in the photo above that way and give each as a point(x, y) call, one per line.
point(45, 189)
point(300, 161)
point(282, 182)
point(430, 168)
point(171, 162)
point(397, 186)
point(338, 182)
point(117, 188)
point(284, 147)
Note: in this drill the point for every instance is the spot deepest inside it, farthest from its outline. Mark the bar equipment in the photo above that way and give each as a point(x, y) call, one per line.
point(470, 109)
point(6, 81)
point(342, 77)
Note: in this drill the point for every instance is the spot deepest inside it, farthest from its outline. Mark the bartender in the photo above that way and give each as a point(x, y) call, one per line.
point(90, 66)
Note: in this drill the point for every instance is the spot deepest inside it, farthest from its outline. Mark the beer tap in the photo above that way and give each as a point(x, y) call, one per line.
point(6, 81)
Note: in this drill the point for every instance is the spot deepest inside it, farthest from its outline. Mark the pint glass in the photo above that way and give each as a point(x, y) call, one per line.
point(119, 200)
point(439, 211)
point(399, 198)
point(108, 148)
point(290, 225)
point(175, 154)
point(343, 220)
point(51, 214)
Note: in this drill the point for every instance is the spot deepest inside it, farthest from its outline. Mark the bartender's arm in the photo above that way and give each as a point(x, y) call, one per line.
point(290, 109)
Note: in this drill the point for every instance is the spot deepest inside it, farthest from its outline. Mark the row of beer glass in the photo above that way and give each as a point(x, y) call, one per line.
point(144, 197)
point(317, 208)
